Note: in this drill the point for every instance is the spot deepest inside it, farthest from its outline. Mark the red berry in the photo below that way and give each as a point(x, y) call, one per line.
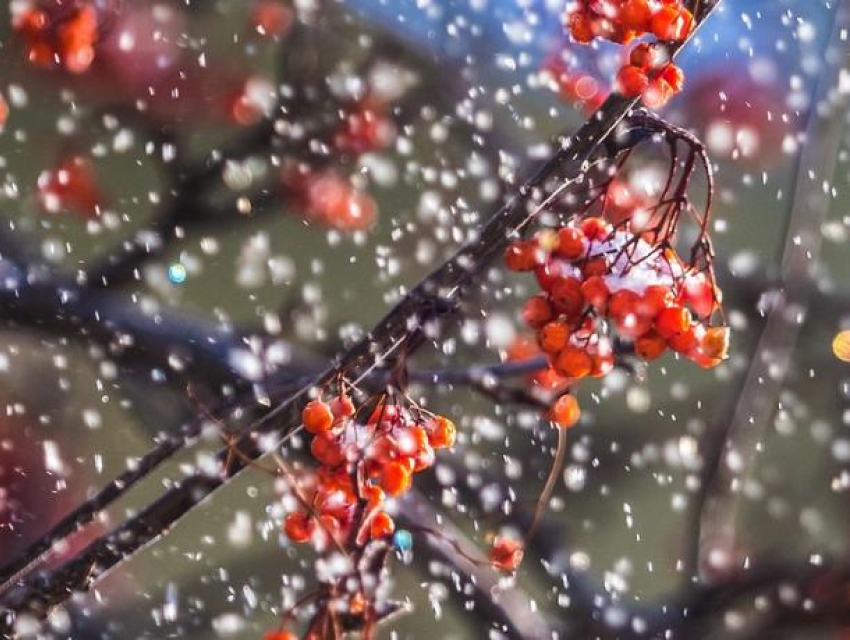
point(317, 417)
point(382, 526)
point(522, 256)
point(442, 433)
point(650, 346)
point(565, 412)
point(571, 243)
point(567, 297)
point(672, 321)
point(553, 337)
point(342, 407)
point(631, 81)
point(506, 554)
point(537, 311)
point(596, 229)
point(327, 450)
point(396, 478)
point(636, 14)
point(298, 526)
point(573, 362)
point(596, 293)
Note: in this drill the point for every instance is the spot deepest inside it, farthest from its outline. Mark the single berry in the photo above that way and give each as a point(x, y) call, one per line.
point(506, 554)
point(537, 311)
point(573, 362)
point(298, 527)
point(382, 526)
point(317, 417)
point(565, 412)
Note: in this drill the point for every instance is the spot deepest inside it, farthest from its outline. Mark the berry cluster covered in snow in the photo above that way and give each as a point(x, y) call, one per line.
point(599, 282)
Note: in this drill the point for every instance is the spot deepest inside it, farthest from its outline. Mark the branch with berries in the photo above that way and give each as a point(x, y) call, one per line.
point(596, 276)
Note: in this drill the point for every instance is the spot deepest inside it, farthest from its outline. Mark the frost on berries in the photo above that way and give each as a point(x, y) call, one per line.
point(603, 283)
point(365, 453)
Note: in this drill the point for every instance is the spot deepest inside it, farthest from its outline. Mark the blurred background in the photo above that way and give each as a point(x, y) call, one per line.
point(258, 255)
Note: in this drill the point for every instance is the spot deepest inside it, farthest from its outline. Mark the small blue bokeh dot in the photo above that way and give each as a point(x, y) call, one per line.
point(177, 273)
point(403, 540)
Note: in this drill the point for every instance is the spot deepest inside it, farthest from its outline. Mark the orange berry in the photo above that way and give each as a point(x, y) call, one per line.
point(372, 494)
point(279, 635)
point(674, 77)
point(596, 293)
point(442, 433)
point(596, 229)
point(327, 450)
point(411, 439)
point(622, 303)
point(715, 342)
point(537, 311)
point(522, 255)
point(636, 14)
point(655, 299)
point(703, 360)
point(672, 23)
point(673, 320)
point(650, 346)
point(342, 407)
point(684, 342)
point(601, 365)
point(631, 81)
point(298, 526)
point(382, 526)
point(506, 554)
point(553, 337)
point(565, 412)
point(571, 243)
point(396, 478)
point(642, 56)
point(699, 294)
point(581, 28)
point(566, 296)
point(573, 362)
point(657, 94)
point(317, 417)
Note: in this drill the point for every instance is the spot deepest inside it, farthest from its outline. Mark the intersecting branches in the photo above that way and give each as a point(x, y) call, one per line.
point(393, 339)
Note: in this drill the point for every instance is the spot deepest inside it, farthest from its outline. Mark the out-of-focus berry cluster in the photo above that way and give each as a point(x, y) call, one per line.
point(58, 34)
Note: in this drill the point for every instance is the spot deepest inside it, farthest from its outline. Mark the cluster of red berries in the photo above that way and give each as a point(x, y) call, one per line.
point(598, 280)
point(60, 34)
point(365, 128)
point(326, 198)
point(649, 72)
point(70, 186)
point(361, 462)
